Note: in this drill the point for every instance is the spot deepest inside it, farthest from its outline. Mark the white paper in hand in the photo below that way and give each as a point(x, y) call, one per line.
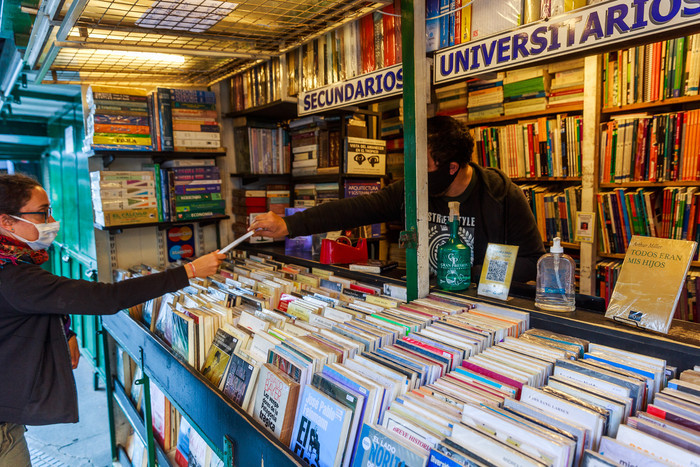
point(237, 241)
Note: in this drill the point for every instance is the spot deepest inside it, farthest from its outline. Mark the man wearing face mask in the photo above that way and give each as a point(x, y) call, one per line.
point(35, 362)
point(492, 208)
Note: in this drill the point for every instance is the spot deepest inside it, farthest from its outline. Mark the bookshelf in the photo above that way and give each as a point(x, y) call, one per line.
point(161, 225)
point(564, 109)
point(108, 157)
point(671, 102)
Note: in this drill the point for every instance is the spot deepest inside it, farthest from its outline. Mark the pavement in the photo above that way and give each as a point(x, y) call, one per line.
point(82, 444)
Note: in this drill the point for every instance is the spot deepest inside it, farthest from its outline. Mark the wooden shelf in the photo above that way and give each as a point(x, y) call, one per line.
point(283, 109)
point(547, 179)
point(649, 184)
point(541, 113)
point(108, 155)
point(650, 105)
point(161, 225)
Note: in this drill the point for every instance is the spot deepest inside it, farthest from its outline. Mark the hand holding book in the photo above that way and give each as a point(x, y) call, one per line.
point(206, 265)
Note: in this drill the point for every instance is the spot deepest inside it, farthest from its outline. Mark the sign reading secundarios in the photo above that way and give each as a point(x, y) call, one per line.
point(376, 85)
point(588, 28)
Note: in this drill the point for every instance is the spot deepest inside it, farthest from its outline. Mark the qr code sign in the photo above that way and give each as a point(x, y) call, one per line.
point(497, 270)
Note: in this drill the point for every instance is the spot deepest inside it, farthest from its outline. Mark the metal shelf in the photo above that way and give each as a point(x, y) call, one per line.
point(136, 421)
point(214, 416)
point(160, 225)
point(180, 42)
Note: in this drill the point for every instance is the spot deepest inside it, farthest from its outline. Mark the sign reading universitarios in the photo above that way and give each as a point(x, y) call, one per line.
point(595, 26)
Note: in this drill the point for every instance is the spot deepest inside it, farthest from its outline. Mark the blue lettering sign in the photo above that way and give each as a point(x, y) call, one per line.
point(617, 22)
point(592, 27)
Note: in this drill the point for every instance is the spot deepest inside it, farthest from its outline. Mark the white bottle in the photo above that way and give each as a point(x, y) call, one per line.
point(555, 280)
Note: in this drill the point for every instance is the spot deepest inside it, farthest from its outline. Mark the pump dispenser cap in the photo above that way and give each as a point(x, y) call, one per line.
point(454, 209)
point(556, 246)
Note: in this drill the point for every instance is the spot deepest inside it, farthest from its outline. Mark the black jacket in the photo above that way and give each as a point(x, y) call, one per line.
point(495, 211)
point(37, 385)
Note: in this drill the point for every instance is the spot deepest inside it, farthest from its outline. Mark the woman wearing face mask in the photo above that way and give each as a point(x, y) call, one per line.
point(492, 208)
point(35, 363)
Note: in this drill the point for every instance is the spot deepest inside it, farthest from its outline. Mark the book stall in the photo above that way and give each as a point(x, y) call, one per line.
point(286, 357)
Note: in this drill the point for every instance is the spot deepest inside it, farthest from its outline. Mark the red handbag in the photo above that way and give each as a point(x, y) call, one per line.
point(341, 251)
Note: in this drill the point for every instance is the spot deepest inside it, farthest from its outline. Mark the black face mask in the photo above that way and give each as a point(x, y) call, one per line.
point(440, 180)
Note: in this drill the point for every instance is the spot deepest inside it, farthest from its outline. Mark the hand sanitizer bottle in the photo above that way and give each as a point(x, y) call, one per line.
point(555, 280)
point(454, 258)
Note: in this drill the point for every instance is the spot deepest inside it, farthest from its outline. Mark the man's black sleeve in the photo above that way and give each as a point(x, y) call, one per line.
point(522, 231)
point(383, 206)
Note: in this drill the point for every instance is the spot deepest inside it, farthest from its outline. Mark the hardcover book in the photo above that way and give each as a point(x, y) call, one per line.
point(650, 283)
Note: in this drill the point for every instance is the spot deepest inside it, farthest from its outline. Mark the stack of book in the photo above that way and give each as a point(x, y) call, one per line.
point(185, 120)
point(566, 87)
point(278, 199)
point(309, 137)
point(123, 197)
point(485, 99)
point(246, 204)
point(121, 119)
point(327, 192)
point(452, 100)
point(525, 90)
point(304, 195)
point(652, 72)
point(193, 189)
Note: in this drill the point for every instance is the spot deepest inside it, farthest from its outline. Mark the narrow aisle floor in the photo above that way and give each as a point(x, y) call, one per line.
point(82, 444)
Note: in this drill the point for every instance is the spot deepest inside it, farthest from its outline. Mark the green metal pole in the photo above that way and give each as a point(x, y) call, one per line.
point(409, 144)
point(109, 390)
point(147, 417)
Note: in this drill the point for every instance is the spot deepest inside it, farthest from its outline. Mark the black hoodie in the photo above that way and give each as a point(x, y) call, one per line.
point(492, 210)
point(35, 368)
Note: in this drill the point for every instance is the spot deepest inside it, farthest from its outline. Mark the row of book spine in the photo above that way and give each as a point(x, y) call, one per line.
point(539, 148)
point(165, 120)
point(652, 72)
point(554, 210)
point(670, 212)
point(656, 148)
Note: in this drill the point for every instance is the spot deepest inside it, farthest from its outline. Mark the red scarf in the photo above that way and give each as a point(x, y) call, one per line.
point(14, 251)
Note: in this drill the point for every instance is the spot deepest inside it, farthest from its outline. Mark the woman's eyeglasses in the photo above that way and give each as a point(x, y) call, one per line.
point(46, 214)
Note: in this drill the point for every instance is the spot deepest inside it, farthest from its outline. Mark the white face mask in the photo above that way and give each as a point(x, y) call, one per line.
point(47, 234)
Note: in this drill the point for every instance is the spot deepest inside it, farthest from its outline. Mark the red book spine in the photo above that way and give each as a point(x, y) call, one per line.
point(367, 43)
point(389, 36)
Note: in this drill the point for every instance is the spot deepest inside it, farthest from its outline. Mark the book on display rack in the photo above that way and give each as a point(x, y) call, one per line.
point(345, 374)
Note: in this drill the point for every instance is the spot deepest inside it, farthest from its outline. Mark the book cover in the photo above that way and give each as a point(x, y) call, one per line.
point(240, 380)
point(276, 401)
point(321, 429)
point(650, 283)
point(218, 356)
point(377, 447)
